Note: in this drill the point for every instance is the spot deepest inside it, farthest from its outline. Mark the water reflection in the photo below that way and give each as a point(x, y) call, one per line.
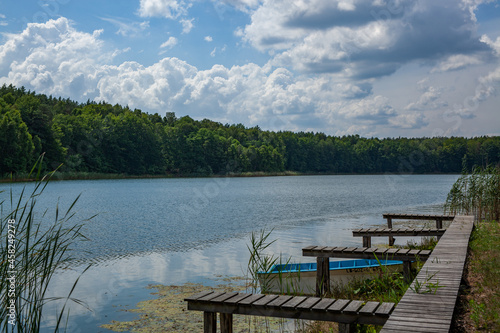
point(118, 284)
point(172, 231)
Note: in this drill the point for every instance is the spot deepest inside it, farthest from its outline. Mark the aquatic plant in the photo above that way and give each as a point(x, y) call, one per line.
point(476, 194)
point(30, 254)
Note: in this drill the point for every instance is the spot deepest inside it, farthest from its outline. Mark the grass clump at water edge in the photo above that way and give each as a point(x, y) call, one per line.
point(476, 194)
point(31, 252)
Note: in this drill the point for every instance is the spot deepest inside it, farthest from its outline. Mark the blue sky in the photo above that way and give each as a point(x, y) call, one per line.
point(383, 68)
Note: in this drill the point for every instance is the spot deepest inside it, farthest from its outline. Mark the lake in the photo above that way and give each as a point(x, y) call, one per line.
point(172, 231)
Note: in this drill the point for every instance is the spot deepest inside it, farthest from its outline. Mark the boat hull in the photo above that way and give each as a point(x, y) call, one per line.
point(301, 278)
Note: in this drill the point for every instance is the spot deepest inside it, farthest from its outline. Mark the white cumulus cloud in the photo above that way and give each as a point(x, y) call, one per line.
point(171, 42)
point(55, 58)
point(364, 38)
point(171, 9)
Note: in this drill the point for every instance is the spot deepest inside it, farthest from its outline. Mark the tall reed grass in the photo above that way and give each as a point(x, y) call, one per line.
point(476, 194)
point(31, 250)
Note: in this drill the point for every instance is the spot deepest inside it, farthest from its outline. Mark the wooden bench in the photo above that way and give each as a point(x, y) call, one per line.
point(345, 312)
point(368, 233)
point(438, 218)
point(438, 282)
point(323, 253)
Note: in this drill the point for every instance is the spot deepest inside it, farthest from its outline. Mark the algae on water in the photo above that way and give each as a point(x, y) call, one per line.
point(168, 312)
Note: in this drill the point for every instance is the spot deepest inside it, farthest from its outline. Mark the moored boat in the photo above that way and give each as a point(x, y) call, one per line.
point(301, 278)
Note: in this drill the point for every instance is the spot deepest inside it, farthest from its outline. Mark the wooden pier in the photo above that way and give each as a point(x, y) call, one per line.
point(431, 308)
point(323, 253)
point(295, 307)
point(427, 306)
point(368, 233)
point(438, 218)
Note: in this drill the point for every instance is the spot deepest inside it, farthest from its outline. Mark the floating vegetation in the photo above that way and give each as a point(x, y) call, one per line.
point(168, 311)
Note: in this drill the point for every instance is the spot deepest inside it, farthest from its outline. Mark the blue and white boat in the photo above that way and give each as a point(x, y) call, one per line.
point(301, 278)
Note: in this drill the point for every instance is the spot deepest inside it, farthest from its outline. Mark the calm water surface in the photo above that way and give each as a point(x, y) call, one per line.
point(172, 231)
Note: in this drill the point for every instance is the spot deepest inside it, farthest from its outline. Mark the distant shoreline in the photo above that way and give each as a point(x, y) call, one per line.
point(96, 176)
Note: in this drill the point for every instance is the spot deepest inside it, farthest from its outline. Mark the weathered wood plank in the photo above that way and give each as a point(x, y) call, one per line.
point(308, 303)
point(199, 295)
point(237, 298)
point(251, 299)
point(280, 301)
point(210, 296)
point(353, 307)
point(294, 302)
point(369, 308)
point(338, 305)
point(265, 300)
point(323, 304)
point(224, 297)
point(385, 309)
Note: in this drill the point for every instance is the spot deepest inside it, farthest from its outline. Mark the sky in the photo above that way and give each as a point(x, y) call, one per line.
point(376, 68)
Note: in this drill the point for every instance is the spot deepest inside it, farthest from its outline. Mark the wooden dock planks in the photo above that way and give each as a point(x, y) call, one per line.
point(398, 232)
point(419, 216)
point(298, 307)
point(427, 311)
point(365, 253)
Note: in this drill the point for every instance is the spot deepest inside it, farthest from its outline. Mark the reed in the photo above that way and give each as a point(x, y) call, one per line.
point(476, 194)
point(31, 251)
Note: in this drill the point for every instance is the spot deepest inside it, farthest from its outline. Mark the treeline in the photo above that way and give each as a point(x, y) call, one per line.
point(104, 138)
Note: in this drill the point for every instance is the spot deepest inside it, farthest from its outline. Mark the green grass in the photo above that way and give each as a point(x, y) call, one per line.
point(483, 301)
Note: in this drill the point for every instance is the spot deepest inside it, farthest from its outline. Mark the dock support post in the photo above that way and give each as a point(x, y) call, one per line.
point(407, 270)
point(367, 241)
point(226, 323)
point(389, 225)
point(322, 276)
point(346, 328)
point(439, 223)
point(209, 322)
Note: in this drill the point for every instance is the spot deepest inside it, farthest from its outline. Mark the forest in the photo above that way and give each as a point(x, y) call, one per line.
point(111, 139)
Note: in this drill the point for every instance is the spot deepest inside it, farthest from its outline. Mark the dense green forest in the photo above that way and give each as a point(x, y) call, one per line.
point(104, 138)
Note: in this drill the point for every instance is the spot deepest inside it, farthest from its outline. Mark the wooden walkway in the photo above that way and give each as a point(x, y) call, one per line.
point(323, 253)
point(427, 306)
point(438, 218)
point(368, 233)
point(365, 253)
point(295, 307)
point(431, 309)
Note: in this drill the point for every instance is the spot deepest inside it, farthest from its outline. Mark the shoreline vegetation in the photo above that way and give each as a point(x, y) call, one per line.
point(102, 139)
point(32, 249)
point(97, 176)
